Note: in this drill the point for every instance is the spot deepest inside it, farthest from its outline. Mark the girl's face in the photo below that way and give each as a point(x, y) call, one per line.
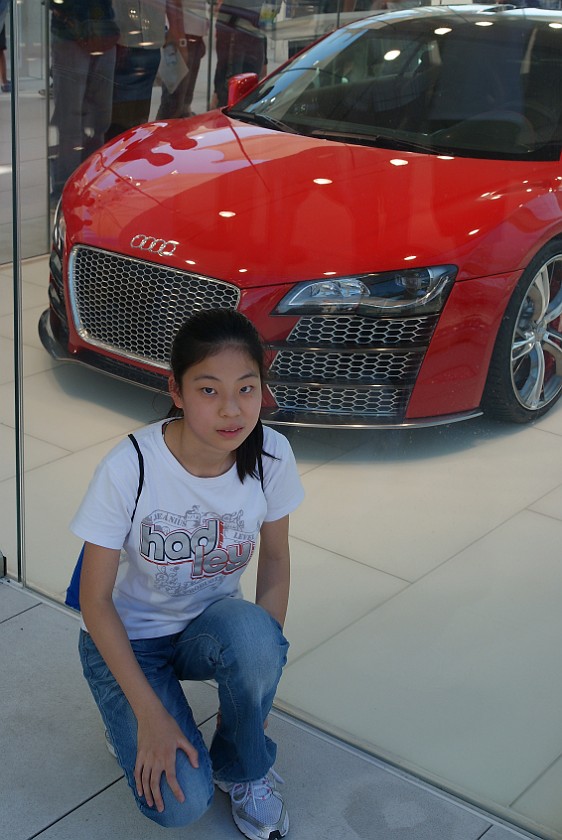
point(221, 399)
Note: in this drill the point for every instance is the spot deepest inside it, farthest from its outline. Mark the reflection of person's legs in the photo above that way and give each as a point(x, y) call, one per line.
point(70, 66)
point(239, 645)
point(237, 52)
point(170, 104)
point(196, 51)
point(3, 71)
point(153, 656)
point(6, 85)
point(226, 50)
point(135, 72)
point(98, 98)
point(178, 103)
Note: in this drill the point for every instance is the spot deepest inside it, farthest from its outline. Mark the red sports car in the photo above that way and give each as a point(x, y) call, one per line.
point(386, 208)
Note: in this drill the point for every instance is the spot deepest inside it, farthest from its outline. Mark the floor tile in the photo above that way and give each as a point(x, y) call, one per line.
point(36, 271)
point(7, 452)
point(30, 320)
point(37, 360)
point(328, 592)
point(367, 803)
point(335, 792)
point(311, 451)
point(550, 504)
point(411, 505)
point(8, 537)
point(58, 728)
point(552, 421)
point(14, 600)
point(459, 675)
point(43, 773)
point(34, 360)
point(335, 441)
point(113, 814)
point(500, 832)
point(541, 802)
point(33, 293)
point(6, 360)
point(6, 295)
point(52, 495)
point(36, 452)
point(73, 407)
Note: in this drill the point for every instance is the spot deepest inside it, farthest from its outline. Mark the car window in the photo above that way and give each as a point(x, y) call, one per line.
point(490, 86)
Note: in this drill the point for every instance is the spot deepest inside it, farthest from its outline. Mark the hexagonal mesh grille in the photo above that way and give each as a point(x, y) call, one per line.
point(352, 401)
point(327, 366)
point(135, 308)
point(355, 329)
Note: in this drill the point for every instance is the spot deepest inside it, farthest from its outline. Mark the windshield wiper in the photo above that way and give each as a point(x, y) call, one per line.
point(261, 119)
point(381, 140)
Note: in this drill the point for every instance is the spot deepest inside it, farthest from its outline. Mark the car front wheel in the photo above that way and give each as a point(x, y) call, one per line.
point(525, 375)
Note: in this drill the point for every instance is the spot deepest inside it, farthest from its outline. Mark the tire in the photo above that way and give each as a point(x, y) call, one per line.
point(525, 374)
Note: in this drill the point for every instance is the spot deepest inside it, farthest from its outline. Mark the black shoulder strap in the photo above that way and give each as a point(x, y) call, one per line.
point(141, 473)
point(260, 469)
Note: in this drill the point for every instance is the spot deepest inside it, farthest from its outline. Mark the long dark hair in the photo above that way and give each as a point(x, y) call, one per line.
point(205, 334)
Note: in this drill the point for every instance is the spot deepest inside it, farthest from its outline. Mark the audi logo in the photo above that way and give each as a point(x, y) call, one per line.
point(164, 247)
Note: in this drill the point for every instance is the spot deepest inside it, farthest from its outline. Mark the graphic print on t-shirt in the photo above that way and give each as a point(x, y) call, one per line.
point(193, 549)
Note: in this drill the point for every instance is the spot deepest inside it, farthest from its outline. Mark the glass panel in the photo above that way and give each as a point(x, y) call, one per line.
point(426, 562)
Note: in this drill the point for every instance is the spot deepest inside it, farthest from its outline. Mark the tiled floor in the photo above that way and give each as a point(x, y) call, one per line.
point(58, 782)
point(425, 615)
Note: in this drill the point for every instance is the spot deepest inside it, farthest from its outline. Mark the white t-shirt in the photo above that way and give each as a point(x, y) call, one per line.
point(191, 538)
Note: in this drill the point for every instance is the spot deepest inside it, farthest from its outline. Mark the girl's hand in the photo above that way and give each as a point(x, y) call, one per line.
point(158, 741)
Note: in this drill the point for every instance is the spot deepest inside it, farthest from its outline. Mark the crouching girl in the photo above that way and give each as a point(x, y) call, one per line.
point(169, 529)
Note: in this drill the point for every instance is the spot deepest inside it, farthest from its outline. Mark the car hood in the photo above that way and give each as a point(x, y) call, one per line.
point(256, 206)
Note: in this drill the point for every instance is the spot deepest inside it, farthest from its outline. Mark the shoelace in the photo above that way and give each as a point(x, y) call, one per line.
point(260, 789)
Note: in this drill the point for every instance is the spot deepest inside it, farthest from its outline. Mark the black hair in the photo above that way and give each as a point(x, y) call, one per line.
point(206, 333)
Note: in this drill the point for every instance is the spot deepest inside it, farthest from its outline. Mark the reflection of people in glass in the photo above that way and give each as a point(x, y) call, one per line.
point(83, 36)
point(300, 8)
point(196, 26)
point(6, 84)
point(143, 33)
point(241, 46)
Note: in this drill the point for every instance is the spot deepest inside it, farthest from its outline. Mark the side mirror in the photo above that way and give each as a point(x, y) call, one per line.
point(239, 86)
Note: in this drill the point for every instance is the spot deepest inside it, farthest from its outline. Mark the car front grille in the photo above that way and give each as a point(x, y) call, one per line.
point(134, 308)
point(330, 370)
point(348, 369)
point(357, 367)
point(357, 330)
point(388, 403)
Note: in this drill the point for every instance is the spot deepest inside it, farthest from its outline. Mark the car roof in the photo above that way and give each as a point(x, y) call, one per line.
point(501, 11)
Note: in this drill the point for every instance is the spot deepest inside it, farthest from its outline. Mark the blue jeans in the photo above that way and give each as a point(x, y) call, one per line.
point(234, 642)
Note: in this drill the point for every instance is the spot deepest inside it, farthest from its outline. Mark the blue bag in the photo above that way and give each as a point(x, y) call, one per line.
point(73, 592)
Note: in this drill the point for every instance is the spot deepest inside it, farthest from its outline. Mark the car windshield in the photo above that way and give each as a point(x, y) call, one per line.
point(479, 84)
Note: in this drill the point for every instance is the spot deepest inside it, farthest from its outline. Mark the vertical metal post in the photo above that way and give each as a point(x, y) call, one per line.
point(17, 289)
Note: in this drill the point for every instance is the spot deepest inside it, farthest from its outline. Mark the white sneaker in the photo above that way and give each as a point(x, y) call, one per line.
point(258, 809)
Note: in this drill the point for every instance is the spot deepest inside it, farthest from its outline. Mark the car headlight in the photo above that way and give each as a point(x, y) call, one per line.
point(393, 292)
point(59, 230)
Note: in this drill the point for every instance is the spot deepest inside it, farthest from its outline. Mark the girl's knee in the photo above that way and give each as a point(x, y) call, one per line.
point(250, 627)
point(178, 815)
point(197, 787)
point(198, 798)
